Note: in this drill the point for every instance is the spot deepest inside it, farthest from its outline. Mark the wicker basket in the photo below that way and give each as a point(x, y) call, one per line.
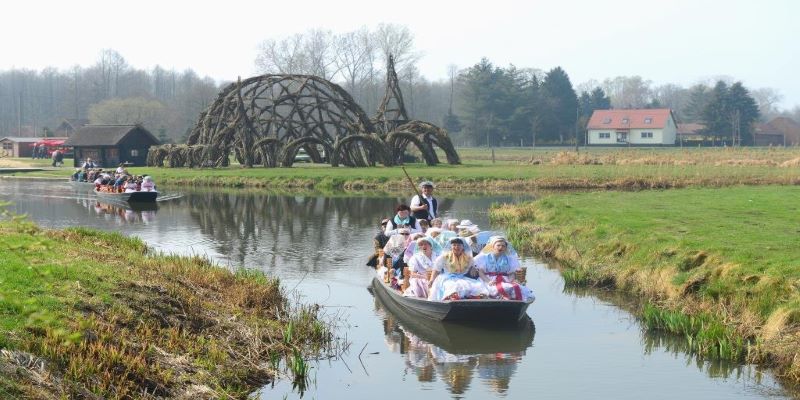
point(521, 274)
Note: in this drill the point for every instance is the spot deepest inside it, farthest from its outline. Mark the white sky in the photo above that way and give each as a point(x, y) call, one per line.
point(678, 41)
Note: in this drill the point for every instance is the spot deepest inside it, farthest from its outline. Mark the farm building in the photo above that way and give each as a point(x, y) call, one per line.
point(110, 145)
point(632, 127)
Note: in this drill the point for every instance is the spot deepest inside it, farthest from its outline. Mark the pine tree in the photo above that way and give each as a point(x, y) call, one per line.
point(743, 106)
point(560, 106)
point(716, 113)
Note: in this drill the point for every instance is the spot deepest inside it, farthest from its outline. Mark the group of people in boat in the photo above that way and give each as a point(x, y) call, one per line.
point(119, 182)
point(426, 256)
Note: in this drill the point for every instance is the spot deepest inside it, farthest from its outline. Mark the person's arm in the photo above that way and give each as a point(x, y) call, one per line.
point(415, 204)
point(389, 231)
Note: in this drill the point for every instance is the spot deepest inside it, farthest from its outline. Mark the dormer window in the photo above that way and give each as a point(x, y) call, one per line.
point(648, 120)
point(624, 120)
point(606, 120)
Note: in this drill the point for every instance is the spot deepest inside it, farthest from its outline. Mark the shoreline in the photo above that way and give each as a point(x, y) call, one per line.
point(665, 254)
point(139, 323)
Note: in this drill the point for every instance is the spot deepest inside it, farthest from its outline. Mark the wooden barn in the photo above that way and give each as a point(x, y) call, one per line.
point(110, 145)
point(17, 146)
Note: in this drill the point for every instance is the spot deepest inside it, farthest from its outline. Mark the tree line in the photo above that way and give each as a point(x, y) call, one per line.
point(34, 103)
point(480, 104)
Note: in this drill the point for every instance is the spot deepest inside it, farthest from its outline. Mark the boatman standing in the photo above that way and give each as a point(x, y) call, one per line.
point(426, 207)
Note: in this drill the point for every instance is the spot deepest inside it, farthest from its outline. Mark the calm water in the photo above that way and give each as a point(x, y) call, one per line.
point(582, 346)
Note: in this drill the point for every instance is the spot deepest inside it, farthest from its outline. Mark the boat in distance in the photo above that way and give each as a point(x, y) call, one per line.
point(468, 310)
point(128, 197)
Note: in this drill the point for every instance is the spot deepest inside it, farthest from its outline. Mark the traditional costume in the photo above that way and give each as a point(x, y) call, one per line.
point(500, 269)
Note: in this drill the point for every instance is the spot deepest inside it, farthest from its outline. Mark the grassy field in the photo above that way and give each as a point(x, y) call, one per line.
point(85, 314)
point(516, 169)
point(720, 266)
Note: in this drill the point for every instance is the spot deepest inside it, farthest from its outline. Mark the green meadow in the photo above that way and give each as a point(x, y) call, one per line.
point(718, 265)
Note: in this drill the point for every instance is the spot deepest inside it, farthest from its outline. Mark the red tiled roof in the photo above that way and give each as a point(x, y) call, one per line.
point(615, 119)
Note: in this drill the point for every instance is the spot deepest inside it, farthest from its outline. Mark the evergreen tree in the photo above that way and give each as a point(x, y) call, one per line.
point(743, 106)
point(698, 98)
point(588, 103)
point(716, 113)
point(559, 106)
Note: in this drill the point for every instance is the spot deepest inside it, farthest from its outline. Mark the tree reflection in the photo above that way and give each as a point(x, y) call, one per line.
point(674, 344)
point(269, 230)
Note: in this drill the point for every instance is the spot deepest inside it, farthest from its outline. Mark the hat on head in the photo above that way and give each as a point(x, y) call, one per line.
point(465, 224)
point(452, 221)
point(424, 239)
point(431, 231)
point(384, 221)
point(404, 231)
point(425, 183)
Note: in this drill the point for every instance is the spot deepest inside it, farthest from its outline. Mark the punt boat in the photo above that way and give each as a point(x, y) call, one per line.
point(130, 197)
point(485, 311)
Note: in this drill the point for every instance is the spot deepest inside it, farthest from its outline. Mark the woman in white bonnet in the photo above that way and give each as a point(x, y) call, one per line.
point(148, 185)
point(419, 264)
point(451, 278)
point(499, 267)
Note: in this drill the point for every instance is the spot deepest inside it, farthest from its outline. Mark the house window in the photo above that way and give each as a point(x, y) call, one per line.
point(605, 135)
point(606, 120)
point(8, 146)
point(134, 153)
point(647, 135)
point(648, 120)
point(624, 120)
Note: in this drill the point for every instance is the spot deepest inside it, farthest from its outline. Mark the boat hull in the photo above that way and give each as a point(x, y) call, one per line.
point(483, 310)
point(132, 197)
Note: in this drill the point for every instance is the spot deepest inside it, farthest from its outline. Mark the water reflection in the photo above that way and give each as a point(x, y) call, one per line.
point(307, 230)
point(454, 353)
point(658, 342)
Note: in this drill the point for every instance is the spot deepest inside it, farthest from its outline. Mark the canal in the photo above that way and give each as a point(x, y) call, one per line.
point(579, 344)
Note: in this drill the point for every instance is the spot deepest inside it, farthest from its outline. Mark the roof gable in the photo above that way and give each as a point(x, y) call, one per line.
point(105, 135)
point(655, 118)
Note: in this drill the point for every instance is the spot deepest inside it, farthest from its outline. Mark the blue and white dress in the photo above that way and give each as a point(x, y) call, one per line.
point(452, 283)
point(500, 270)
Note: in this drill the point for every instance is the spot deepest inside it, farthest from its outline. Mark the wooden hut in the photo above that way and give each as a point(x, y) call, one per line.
point(110, 145)
point(13, 146)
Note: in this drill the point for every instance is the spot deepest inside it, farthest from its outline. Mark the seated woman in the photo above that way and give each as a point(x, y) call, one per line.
point(130, 186)
point(452, 278)
point(395, 248)
point(148, 185)
point(499, 267)
point(419, 264)
point(402, 219)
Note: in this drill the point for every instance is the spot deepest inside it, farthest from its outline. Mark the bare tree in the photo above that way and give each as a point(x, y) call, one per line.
point(397, 41)
point(628, 91)
point(282, 56)
point(767, 100)
point(354, 57)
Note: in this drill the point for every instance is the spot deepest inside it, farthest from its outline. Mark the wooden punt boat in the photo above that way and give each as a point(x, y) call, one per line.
point(485, 311)
point(466, 338)
point(130, 197)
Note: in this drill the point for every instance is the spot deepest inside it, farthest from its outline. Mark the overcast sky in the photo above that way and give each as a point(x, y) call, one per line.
point(681, 42)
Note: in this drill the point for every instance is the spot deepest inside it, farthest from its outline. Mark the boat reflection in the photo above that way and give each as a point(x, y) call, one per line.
point(143, 213)
point(455, 353)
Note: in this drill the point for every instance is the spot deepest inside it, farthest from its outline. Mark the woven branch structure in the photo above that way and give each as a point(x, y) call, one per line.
point(266, 120)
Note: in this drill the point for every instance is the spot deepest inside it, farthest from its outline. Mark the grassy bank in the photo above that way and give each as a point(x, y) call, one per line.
point(516, 169)
point(86, 314)
point(720, 266)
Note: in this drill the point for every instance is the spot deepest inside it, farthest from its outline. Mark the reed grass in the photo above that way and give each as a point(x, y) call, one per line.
point(719, 266)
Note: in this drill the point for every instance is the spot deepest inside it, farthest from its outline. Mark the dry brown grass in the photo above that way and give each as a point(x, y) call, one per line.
point(173, 327)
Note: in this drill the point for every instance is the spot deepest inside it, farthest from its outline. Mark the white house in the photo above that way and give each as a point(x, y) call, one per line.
point(646, 127)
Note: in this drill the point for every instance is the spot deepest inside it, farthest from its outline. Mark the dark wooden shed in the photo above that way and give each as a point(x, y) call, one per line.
point(110, 145)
